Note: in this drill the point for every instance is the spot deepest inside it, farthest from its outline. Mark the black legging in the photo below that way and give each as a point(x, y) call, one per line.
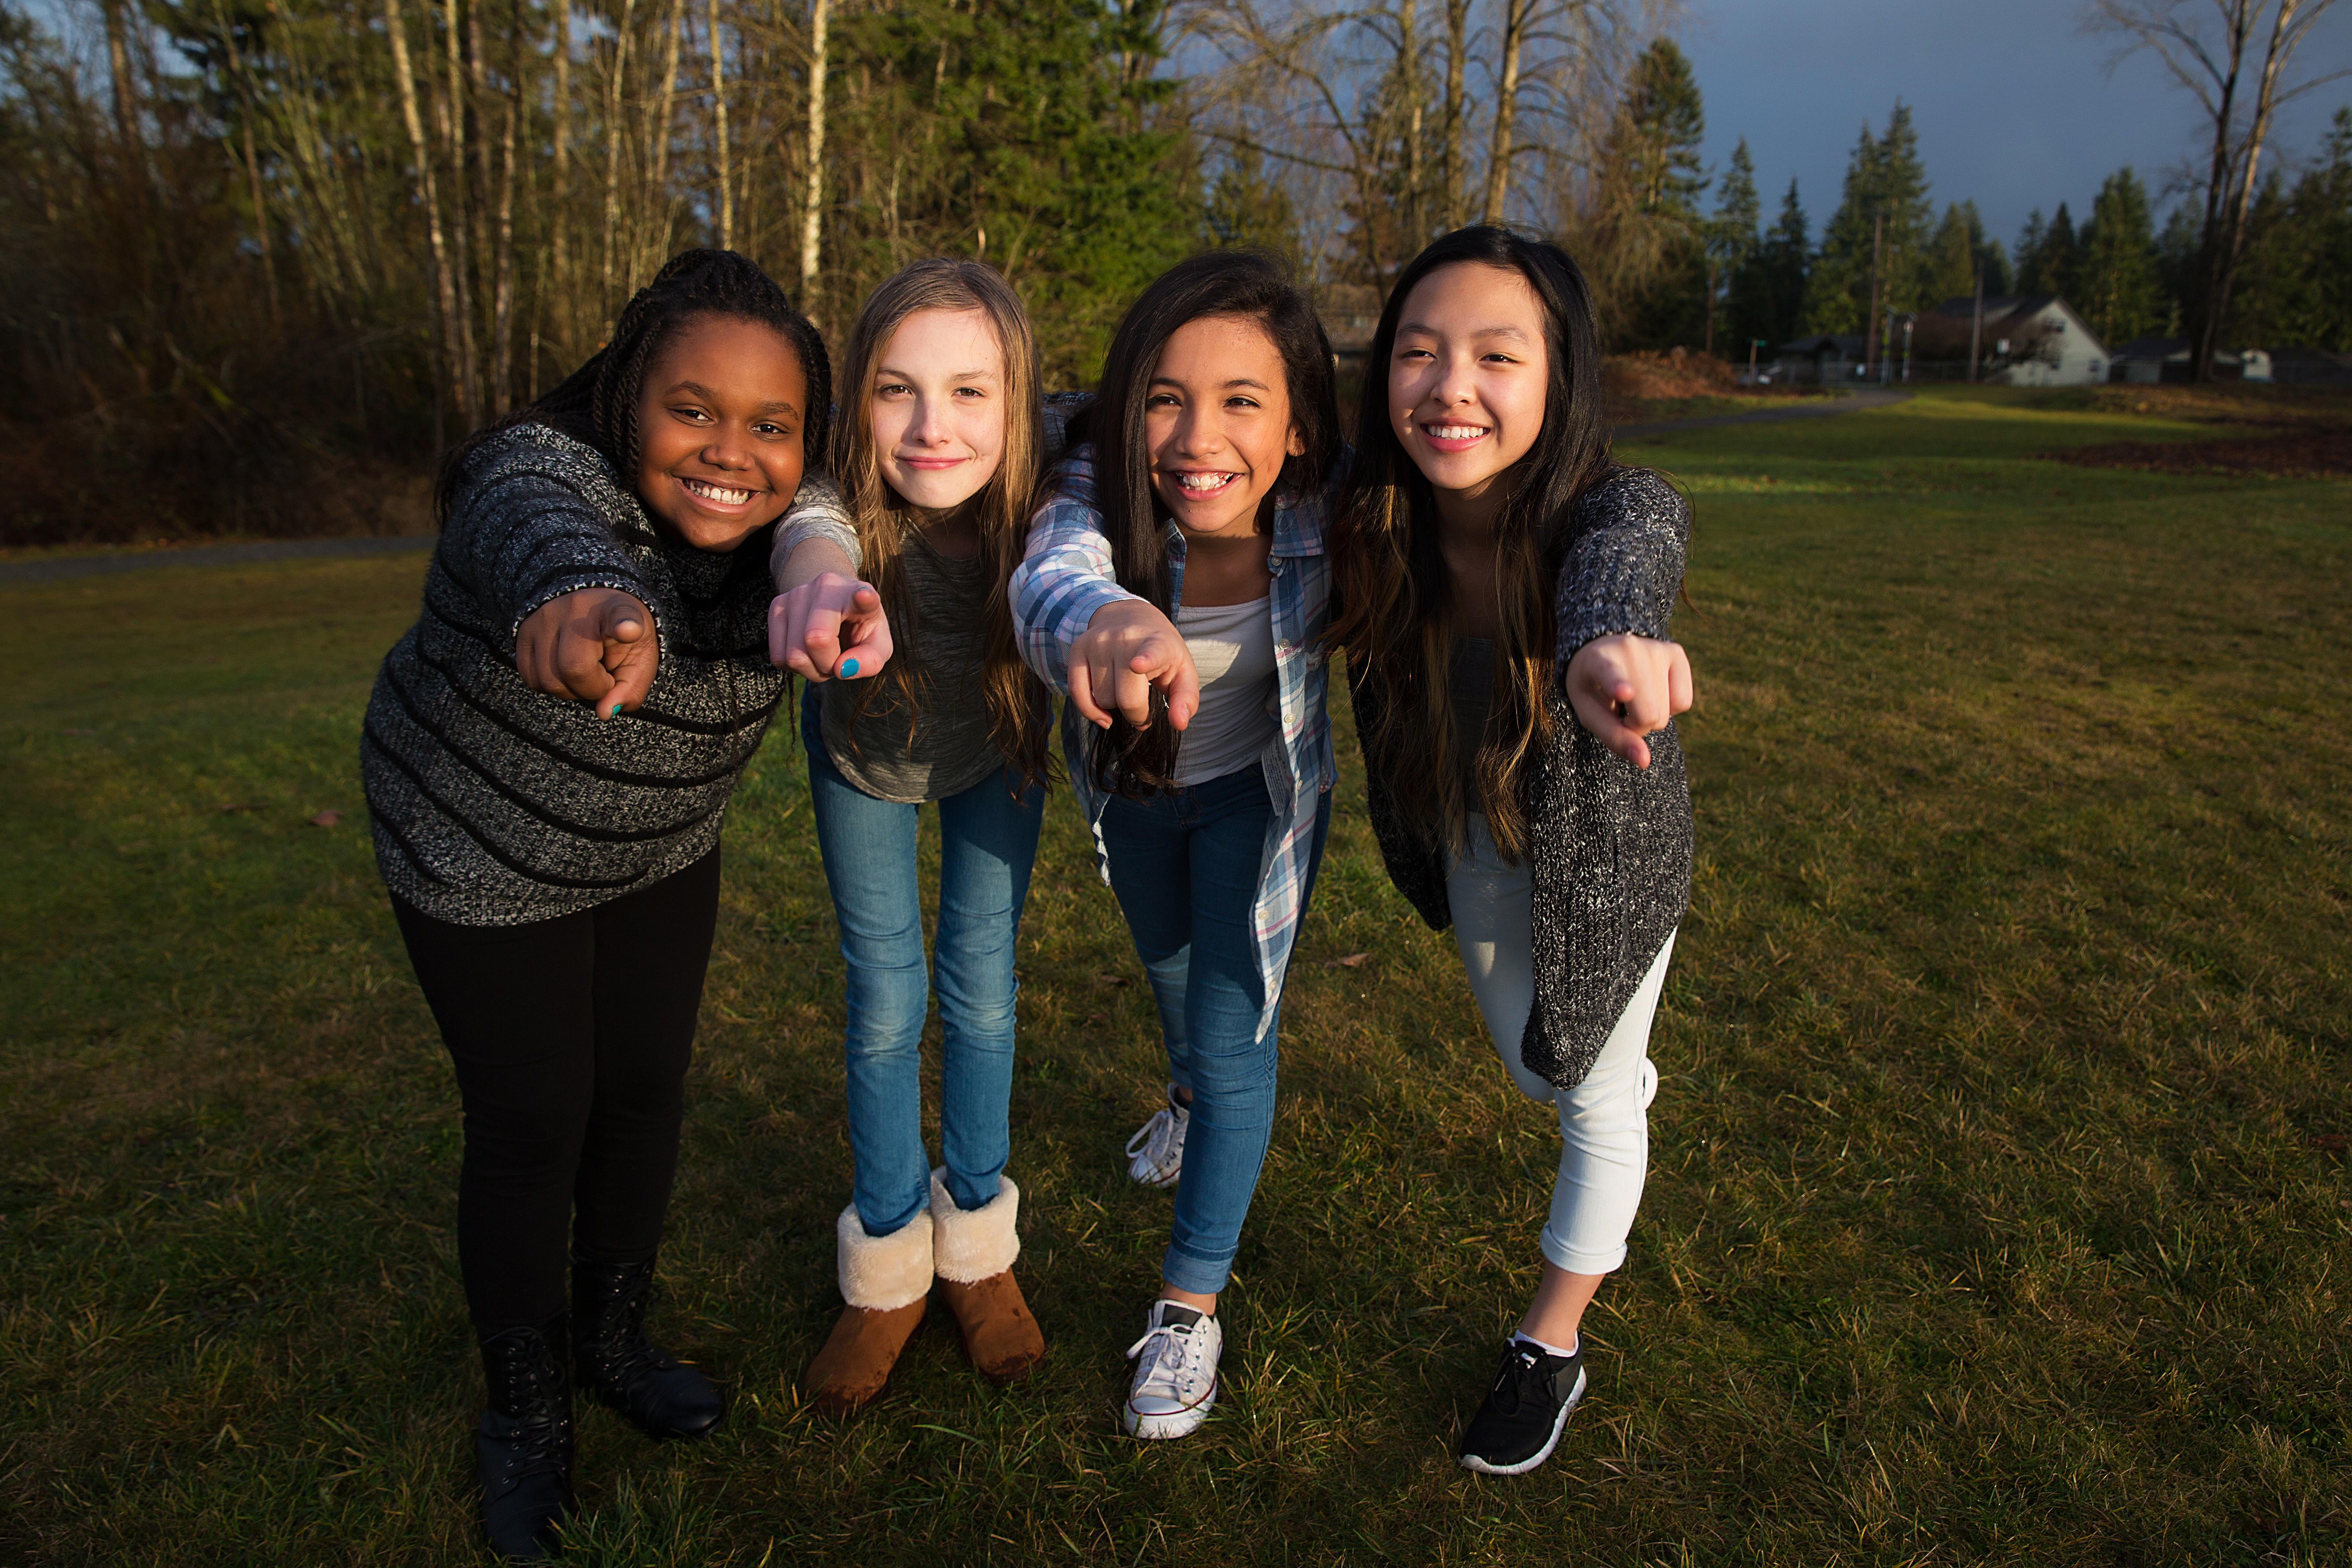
point(571, 1039)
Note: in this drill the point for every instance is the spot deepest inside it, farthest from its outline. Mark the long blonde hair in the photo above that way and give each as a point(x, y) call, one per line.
point(1019, 708)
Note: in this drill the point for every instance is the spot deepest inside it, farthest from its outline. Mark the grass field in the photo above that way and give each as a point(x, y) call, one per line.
point(2000, 1208)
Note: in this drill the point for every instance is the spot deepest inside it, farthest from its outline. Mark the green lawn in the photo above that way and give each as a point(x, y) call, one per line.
point(1999, 1208)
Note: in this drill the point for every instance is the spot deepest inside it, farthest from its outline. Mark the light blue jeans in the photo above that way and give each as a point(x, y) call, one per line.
point(988, 840)
point(1184, 867)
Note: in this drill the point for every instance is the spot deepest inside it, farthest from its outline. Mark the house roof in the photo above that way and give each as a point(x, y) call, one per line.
point(1964, 305)
point(1848, 344)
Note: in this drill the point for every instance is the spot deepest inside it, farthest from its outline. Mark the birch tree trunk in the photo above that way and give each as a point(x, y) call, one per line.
point(1506, 105)
point(261, 222)
point(558, 275)
point(1455, 175)
point(453, 128)
point(444, 294)
point(813, 214)
point(1415, 184)
point(719, 134)
point(502, 296)
point(612, 140)
point(656, 205)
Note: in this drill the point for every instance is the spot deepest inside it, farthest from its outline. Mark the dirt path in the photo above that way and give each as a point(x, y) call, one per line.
point(60, 568)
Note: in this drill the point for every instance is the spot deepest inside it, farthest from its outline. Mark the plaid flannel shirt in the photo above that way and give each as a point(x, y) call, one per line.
point(1065, 575)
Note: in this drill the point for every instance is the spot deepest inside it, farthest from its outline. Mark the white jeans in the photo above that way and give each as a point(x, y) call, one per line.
point(1604, 1125)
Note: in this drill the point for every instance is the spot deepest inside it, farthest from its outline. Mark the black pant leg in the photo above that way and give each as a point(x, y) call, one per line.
point(653, 949)
point(515, 1008)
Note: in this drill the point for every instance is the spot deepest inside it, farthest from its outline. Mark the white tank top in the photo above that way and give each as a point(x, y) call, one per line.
point(1233, 650)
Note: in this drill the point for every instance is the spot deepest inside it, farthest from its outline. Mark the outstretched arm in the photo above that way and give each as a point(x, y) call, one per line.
point(1079, 630)
point(1621, 671)
point(825, 621)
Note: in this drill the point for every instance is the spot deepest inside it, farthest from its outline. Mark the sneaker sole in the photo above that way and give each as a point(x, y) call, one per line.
point(1472, 1462)
point(1177, 1423)
point(1142, 1179)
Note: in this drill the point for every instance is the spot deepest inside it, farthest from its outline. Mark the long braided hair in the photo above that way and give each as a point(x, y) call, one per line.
point(597, 404)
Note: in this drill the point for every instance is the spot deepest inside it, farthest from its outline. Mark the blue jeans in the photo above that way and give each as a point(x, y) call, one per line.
point(988, 839)
point(1184, 867)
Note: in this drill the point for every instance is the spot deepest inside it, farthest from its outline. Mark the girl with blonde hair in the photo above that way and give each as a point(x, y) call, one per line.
point(937, 451)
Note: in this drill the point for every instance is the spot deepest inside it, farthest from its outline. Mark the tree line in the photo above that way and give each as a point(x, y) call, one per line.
point(262, 258)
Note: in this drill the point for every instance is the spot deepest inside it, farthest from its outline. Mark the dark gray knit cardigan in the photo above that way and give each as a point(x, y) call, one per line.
point(495, 804)
point(1611, 841)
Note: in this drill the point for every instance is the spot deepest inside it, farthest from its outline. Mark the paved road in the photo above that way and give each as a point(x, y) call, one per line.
point(59, 568)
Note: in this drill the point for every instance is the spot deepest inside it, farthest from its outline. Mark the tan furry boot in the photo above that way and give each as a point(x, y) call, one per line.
point(973, 1253)
point(886, 1281)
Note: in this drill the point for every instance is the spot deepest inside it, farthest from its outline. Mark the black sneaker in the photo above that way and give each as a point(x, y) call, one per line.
point(1518, 1426)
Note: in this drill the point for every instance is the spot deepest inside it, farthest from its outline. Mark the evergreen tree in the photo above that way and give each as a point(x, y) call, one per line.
point(2028, 249)
point(1652, 255)
point(1951, 262)
point(2116, 284)
point(2178, 255)
point(1768, 294)
point(1657, 134)
point(1732, 239)
point(2049, 266)
point(1884, 209)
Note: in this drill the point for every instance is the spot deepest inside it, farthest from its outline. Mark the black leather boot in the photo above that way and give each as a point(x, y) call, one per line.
point(522, 1452)
point(615, 1361)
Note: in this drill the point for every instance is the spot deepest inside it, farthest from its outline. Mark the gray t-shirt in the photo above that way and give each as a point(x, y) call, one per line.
point(940, 746)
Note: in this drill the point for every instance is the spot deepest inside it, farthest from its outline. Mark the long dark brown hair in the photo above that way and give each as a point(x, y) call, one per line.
point(1126, 759)
point(597, 404)
point(1019, 708)
point(1397, 612)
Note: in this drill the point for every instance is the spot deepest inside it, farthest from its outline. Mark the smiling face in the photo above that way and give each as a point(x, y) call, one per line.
point(1467, 375)
point(937, 403)
point(1216, 420)
point(718, 430)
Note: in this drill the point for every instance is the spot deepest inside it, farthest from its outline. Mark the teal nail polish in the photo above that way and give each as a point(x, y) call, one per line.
point(849, 667)
point(616, 710)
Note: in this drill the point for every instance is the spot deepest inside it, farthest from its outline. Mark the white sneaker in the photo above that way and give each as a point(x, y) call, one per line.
point(1175, 1382)
point(1155, 1155)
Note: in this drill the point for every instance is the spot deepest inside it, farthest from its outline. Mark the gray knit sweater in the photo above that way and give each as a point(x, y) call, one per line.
point(495, 804)
point(1611, 842)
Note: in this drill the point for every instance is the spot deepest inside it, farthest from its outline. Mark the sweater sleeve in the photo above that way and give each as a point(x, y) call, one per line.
point(816, 513)
point(1624, 567)
point(522, 532)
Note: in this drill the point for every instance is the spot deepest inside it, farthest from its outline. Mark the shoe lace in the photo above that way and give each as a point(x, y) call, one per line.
point(1167, 1352)
point(1153, 1139)
point(1522, 1373)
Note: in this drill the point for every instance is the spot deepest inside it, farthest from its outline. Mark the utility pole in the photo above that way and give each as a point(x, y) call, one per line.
point(1909, 321)
point(1870, 327)
point(1976, 328)
point(1753, 344)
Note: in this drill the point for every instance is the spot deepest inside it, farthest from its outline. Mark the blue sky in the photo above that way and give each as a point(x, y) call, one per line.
point(2012, 107)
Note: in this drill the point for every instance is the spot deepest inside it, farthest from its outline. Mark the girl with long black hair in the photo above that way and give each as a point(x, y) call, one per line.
point(548, 756)
point(1508, 596)
point(1175, 587)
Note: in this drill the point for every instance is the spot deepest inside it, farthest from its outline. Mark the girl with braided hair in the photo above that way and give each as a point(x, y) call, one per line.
point(548, 756)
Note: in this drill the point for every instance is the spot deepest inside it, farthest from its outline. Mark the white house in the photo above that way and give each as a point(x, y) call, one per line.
point(2037, 341)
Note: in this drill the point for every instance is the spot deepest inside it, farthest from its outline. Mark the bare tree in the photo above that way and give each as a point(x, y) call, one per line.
point(812, 212)
point(2208, 48)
